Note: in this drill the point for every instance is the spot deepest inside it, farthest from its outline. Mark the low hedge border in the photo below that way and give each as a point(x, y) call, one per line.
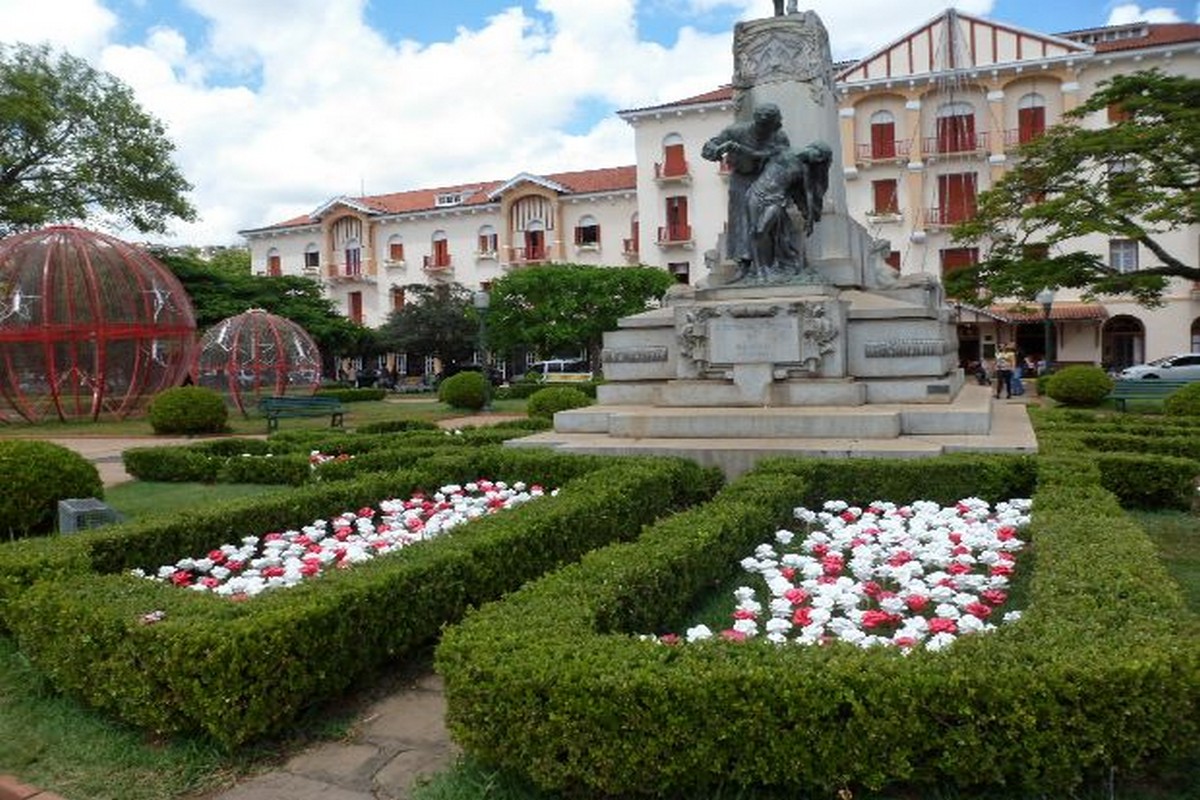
point(285, 460)
point(1101, 673)
point(352, 395)
point(239, 671)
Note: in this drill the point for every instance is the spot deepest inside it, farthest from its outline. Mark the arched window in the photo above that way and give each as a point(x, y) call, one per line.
point(587, 232)
point(1031, 117)
point(956, 128)
point(312, 256)
point(440, 259)
point(883, 135)
point(1196, 335)
point(274, 264)
point(395, 248)
point(489, 242)
point(674, 163)
point(631, 245)
point(1123, 342)
point(353, 251)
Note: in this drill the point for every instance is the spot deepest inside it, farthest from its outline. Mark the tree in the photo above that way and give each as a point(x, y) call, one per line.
point(74, 144)
point(437, 321)
point(568, 306)
point(1135, 179)
point(223, 288)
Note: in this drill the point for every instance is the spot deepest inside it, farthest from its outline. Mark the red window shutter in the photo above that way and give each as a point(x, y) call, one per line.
point(955, 258)
point(1031, 123)
point(956, 197)
point(674, 163)
point(441, 253)
point(677, 218)
point(396, 251)
point(956, 133)
point(274, 267)
point(886, 201)
point(356, 307)
point(483, 243)
point(578, 235)
point(883, 140)
point(893, 260)
point(397, 299)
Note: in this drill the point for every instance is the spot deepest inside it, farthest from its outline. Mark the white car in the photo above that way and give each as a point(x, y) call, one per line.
point(1181, 367)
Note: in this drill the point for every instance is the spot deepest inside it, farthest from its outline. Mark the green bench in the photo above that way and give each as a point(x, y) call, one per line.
point(1145, 389)
point(275, 408)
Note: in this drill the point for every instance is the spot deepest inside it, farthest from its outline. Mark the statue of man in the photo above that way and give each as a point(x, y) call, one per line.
point(747, 146)
point(799, 177)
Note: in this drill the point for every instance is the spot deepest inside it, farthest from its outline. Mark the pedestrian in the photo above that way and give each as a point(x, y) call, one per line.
point(1005, 360)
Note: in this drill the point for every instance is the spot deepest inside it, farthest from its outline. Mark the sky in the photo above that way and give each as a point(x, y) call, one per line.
point(277, 106)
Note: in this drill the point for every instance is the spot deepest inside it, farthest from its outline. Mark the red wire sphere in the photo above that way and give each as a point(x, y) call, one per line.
point(90, 326)
point(255, 355)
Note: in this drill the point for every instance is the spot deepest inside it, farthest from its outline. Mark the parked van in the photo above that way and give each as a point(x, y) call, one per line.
point(560, 370)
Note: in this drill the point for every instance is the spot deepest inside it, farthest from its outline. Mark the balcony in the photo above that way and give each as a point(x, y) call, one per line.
point(350, 273)
point(487, 255)
point(629, 249)
point(438, 264)
point(1014, 138)
point(885, 215)
point(897, 150)
point(393, 263)
point(957, 144)
point(676, 236)
point(946, 217)
point(668, 173)
point(526, 256)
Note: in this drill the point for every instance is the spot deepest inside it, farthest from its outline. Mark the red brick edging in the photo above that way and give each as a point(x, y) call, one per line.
point(13, 789)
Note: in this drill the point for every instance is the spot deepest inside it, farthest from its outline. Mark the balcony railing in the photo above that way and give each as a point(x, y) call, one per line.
point(945, 217)
point(1014, 137)
point(629, 248)
point(436, 264)
point(350, 272)
point(672, 173)
point(956, 144)
point(521, 256)
point(675, 236)
point(883, 151)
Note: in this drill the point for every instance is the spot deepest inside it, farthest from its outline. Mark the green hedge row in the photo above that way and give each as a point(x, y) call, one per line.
point(285, 459)
point(352, 395)
point(244, 670)
point(1101, 673)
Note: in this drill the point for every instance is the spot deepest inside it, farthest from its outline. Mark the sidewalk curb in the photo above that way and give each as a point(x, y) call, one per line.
point(13, 789)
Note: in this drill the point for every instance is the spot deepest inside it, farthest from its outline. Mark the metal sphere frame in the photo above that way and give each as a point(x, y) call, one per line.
point(256, 354)
point(90, 326)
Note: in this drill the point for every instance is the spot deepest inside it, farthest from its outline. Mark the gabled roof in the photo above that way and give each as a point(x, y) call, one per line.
point(954, 40)
point(582, 182)
point(1153, 35)
point(721, 95)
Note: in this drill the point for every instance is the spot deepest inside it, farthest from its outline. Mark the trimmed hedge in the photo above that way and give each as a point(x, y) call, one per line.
point(352, 395)
point(243, 670)
point(34, 476)
point(1101, 673)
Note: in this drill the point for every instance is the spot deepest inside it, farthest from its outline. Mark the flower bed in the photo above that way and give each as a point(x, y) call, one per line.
point(279, 560)
point(1100, 677)
point(910, 576)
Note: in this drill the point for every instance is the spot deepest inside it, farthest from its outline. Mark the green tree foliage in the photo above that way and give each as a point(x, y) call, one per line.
point(1137, 178)
point(75, 144)
point(224, 287)
point(563, 307)
point(438, 321)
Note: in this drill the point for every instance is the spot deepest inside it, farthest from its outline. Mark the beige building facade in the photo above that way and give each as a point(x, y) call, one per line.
point(928, 121)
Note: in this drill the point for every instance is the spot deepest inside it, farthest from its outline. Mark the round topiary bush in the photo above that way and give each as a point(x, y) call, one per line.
point(187, 410)
point(1079, 386)
point(1183, 402)
point(467, 390)
point(35, 476)
point(547, 402)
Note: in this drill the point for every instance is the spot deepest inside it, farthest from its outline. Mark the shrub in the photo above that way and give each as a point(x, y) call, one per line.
point(467, 390)
point(1183, 402)
point(188, 410)
point(547, 402)
point(397, 425)
point(35, 476)
point(1080, 386)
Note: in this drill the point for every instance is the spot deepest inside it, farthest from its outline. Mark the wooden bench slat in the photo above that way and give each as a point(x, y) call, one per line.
point(275, 408)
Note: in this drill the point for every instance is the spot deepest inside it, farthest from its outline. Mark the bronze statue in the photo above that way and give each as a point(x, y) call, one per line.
point(789, 177)
point(746, 147)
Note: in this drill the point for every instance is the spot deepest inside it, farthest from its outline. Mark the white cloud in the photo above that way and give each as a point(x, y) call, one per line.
point(287, 103)
point(1131, 12)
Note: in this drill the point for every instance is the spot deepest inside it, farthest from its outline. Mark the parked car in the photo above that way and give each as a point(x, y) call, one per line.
point(1179, 367)
point(557, 370)
point(494, 376)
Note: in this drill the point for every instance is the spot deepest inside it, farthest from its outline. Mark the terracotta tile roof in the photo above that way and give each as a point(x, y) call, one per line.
point(1061, 311)
point(724, 93)
point(591, 181)
point(1156, 36)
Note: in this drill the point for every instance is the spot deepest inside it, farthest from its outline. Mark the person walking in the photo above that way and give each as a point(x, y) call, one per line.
point(1005, 360)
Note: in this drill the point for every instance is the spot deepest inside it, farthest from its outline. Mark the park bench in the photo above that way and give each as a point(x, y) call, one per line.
point(1143, 389)
point(275, 408)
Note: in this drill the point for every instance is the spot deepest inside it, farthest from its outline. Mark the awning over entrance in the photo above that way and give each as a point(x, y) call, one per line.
point(1060, 311)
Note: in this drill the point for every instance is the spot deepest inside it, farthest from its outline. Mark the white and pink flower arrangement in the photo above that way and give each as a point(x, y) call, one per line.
point(913, 576)
point(316, 458)
point(284, 559)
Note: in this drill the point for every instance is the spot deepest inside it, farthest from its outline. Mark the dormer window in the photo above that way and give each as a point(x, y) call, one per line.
point(454, 198)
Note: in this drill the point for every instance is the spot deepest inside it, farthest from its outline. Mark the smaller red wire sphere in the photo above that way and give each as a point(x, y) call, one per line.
point(256, 354)
point(90, 326)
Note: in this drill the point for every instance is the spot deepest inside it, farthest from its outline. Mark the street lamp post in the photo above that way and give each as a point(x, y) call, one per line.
point(482, 301)
point(1046, 298)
